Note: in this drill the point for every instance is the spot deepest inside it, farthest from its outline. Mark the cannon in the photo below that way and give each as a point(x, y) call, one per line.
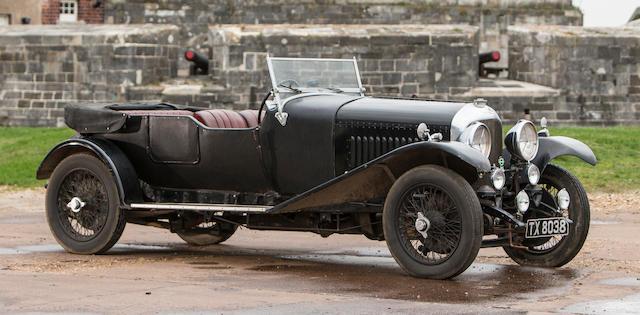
point(199, 63)
point(491, 56)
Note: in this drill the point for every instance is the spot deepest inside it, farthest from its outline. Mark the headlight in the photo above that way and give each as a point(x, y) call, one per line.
point(477, 136)
point(563, 199)
point(522, 140)
point(498, 178)
point(533, 173)
point(522, 201)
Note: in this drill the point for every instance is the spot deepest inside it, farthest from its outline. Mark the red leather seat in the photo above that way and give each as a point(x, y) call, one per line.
point(222, 118)
point(251, 116)
point(212, 118)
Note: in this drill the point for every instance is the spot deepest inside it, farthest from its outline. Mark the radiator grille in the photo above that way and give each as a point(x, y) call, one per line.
point(363, 149)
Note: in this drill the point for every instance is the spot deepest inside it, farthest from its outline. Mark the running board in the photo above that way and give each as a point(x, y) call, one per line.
point(202, 207)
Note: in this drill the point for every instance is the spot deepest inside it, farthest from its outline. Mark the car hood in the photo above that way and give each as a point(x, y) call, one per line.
point(403, 111)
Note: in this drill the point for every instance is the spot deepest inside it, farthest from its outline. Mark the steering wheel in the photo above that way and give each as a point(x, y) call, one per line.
point(291, 83)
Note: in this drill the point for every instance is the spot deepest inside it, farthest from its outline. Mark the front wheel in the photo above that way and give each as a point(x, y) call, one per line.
point(82, 204)
point(432, 222)
point(557, 251)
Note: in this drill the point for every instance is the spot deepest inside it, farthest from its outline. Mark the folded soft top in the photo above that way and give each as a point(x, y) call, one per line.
point(105, 117)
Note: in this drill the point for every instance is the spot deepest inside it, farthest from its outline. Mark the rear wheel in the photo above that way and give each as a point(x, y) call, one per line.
point(83, 207)
point(432, 222)
point(557, 251)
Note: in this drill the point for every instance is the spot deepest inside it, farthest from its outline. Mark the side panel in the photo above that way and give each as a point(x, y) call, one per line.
point(123, 171)
point(193, 157)
point(300, 155)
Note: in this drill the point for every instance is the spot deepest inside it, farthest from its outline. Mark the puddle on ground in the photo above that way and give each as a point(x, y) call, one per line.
point(375, 273)
point(362, 271)
point(623, 282)
point(598, 222)
point(629, 304)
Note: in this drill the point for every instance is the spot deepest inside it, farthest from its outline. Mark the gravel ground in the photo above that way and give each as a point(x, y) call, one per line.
point(151, 270)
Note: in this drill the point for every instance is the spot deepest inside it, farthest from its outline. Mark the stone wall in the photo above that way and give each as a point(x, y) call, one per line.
point(425, 60)
point(597, 70)
point(44, 67)
point(492, 16)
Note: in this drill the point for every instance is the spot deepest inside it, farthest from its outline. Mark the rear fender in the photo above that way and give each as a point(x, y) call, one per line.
point(552, 147)
point(373, 179)
point(123, 172)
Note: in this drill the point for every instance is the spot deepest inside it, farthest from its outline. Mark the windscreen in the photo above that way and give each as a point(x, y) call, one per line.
point(305, 74)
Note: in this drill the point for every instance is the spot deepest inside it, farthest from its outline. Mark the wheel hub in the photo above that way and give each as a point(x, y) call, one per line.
point(422, 225)
point(76, 204)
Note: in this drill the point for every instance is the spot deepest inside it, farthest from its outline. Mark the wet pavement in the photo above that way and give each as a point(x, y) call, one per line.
point(150, 270)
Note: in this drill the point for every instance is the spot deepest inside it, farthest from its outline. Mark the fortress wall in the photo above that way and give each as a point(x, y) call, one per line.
point(597, 69)
point(434, 60)
point(44, 67)
point(491, 16)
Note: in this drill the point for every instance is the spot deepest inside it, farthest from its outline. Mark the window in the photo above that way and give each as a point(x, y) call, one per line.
point(5, 19)
point(68, 11)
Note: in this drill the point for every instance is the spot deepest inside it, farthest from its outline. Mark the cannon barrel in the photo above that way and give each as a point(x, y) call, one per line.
point(199, 61)
point(489, 56)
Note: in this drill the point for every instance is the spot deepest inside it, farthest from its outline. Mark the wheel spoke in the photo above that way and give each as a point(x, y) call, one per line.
point(90, 219)
point(443, 235)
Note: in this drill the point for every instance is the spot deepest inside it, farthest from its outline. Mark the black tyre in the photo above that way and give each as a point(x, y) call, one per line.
point(558, 250)
point(207, 232)
point(454, 229)
point(83, 207)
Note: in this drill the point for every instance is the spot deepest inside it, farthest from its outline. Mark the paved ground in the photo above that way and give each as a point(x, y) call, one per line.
point(151, 270)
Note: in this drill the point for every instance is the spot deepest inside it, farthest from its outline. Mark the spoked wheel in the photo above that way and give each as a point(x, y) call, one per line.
point(206, 232)
point(432, 222)
point(83, 207)
point(557, 251)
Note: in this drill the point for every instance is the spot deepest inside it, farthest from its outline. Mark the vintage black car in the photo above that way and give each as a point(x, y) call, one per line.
point(431, 178)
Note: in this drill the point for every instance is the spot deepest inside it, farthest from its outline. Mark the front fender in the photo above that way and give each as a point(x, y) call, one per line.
point(124, 174)
point(373, 179)
point(552, 147)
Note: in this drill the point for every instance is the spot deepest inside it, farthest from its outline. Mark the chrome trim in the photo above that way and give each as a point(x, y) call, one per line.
point(76, 204)
point(469, 133)
point(498, 172)
point(469, 114)
point(355, 66)
point(517, 132)
point(201, 207)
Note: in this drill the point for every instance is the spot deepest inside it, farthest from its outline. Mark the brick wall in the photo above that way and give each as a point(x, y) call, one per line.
point(86, 12)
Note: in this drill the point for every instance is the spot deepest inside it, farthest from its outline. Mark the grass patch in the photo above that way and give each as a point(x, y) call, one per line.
point(617, 150)
point(21, 151)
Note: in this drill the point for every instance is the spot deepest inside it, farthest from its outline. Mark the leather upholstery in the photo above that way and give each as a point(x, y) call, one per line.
point(251, 116)
point(222, 118)
point(212, 118)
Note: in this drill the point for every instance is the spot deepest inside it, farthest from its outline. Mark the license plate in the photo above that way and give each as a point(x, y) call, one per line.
point(547, 227)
